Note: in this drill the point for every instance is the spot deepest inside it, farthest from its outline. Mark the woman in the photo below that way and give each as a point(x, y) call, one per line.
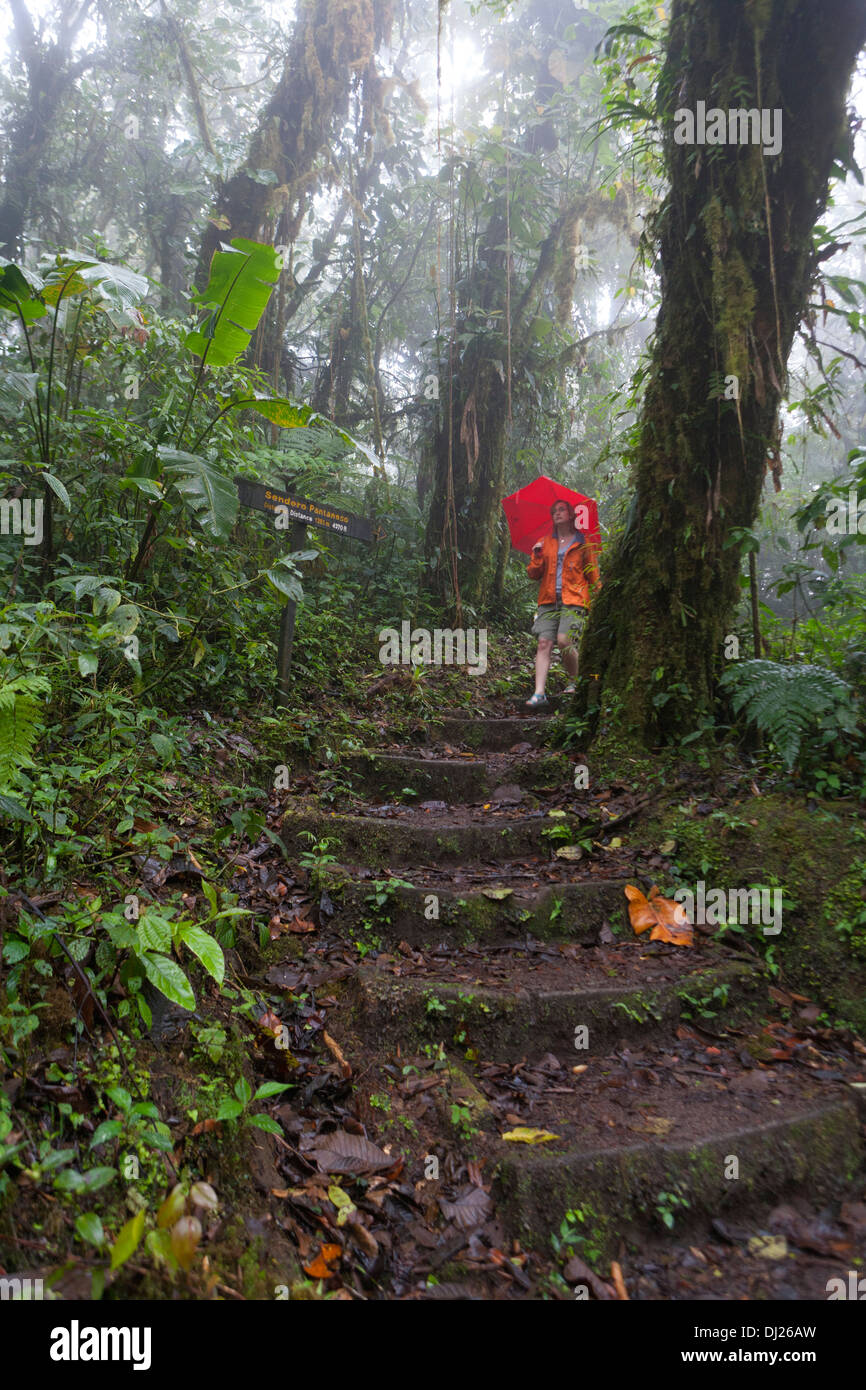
point(565, 564)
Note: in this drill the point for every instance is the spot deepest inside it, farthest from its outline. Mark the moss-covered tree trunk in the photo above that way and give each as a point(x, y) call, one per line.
point(736, 262)
point(333, 41)
point(469, 444)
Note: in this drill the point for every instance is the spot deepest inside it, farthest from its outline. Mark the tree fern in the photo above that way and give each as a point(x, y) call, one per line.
point(786, 701)
point(19, 723)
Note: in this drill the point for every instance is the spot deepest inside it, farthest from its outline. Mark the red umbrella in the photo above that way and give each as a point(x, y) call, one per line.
point(528, 512)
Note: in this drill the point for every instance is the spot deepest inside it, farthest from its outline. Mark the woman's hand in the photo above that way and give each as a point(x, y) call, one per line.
point(537, 548)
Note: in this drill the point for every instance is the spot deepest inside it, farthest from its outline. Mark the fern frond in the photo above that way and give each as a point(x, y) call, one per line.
point(786, 701)
point(20, 723)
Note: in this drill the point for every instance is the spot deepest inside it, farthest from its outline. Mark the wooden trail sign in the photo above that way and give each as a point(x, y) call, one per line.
point(302, 513)
point(265, 498)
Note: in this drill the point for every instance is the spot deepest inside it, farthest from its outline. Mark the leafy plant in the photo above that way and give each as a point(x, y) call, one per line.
point(788, 702)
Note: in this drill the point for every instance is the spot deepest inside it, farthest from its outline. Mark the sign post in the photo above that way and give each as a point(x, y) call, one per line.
point(287, 627)
point(286, 506)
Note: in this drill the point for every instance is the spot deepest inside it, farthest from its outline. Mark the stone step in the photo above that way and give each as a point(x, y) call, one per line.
point(402, 837)
point(522, 1004)
point(456, 779)
point(812, 1146)
point(569, 910)
point(490, 734)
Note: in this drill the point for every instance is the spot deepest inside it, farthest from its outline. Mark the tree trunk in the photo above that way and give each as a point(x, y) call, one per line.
point(332, 41)
point(737, 262)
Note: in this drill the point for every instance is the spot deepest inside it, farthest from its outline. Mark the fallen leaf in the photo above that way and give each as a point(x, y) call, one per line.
point(322, 1267)
point(577, 1271)
point(337, 1054)
point(666, 918)
point(569, 852)
point(472, 1209)
point(524, 1135)
point(618, 1281)
point(769, 1247)
point(341, 1152)
point(653, 1124)
point(300, 925)
point(342, 1201)
point(497, 894)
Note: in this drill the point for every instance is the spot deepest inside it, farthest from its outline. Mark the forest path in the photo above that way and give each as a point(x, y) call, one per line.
point(502, 988)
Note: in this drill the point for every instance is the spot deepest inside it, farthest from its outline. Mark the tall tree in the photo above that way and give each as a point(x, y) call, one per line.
point(333, 41)
point(737, 261)
point(50, 75)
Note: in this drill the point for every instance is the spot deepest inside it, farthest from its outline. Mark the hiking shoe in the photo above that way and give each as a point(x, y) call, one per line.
point(536, 701)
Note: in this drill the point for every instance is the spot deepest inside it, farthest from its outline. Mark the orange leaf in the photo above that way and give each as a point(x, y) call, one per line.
point(666, 917)
point(618, 1281)
point(300, 925)
point(321, 1266)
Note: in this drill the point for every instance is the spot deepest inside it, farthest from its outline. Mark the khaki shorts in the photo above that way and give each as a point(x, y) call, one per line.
point(559, 620)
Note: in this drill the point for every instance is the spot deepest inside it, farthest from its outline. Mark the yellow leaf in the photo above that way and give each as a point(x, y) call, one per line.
point(524, 1135)
point(342, 1201)
point(769, 1247)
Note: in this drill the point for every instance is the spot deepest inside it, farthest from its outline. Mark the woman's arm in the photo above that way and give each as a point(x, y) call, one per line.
point(535, 568)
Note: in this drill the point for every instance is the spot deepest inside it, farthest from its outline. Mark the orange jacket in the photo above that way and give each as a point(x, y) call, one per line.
point(577, 587)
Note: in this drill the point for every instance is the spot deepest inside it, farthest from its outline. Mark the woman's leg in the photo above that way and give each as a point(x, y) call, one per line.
point(569, 654)
point(543, 658)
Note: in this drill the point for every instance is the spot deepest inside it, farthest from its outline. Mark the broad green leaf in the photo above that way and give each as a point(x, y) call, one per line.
point(13, 810)
point(206, 948)
point(164, 746)
point(267, 1124)
point(279, 410)
point(117, 284)
point(154, 933)
point(229, 1109)
point(270, 1088)
point(57, 488)
point(285, 583)
point(16, 389)
point(88, 663)
point(242, 278)
point(208, 493)
point(166, 976)
point(109, 1129)
point(243, 1090)
point(94, 1178)
point(19, 291)
point(127, 1241)
point(89, 1227)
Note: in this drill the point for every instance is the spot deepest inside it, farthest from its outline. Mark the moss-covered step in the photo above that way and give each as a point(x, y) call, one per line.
point(402, 910)
point(454, 779)
point(721, 1163)
point(539, 1009)
point(489, 734)
point(379, 841)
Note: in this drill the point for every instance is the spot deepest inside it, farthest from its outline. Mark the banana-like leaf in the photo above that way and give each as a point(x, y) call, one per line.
point(289, 415)
point(122, 287)
point(210, 494)
point(19, 292)
point(16, 389)
point(242, 279)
